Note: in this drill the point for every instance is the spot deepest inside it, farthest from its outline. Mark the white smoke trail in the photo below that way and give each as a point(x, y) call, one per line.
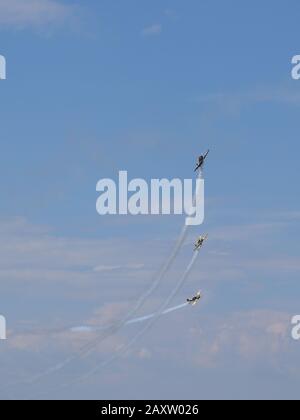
point(166, 312)
point(88, 329)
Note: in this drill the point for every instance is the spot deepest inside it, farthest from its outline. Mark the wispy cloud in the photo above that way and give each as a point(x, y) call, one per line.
point(153, 30)
point(102, 268)
point(30, 253)
point(233, 102)
point(253, 335)
point(20, 13)
point(246, 231)
point(171, 14)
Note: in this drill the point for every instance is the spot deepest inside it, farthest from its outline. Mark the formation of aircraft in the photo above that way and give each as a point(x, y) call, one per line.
point(200, 241)
point(201, 160)
point(195, 299)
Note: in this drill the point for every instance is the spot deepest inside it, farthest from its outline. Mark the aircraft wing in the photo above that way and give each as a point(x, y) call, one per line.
point(206, 154)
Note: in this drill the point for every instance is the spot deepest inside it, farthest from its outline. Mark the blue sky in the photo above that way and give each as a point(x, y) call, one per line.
point(97, 87)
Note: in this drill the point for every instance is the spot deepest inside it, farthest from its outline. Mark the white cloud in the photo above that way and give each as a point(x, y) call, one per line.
point(248, 337)
point(153, 30)
point(23, 13)
point(30, 253)
point(234, 102)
